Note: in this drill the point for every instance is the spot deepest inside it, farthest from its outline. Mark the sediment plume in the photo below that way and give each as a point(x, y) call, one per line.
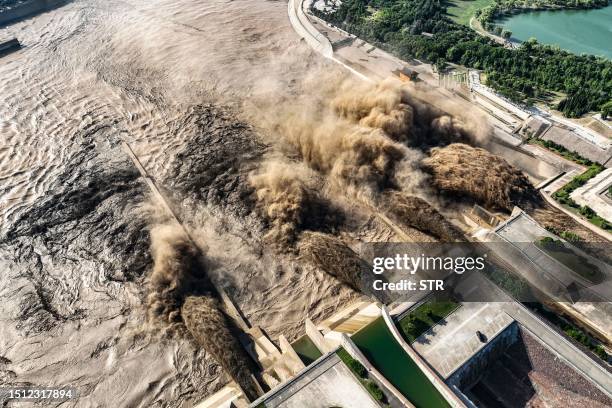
point(210, 327)
point(392, 107)
point(375, 107)
point(284, 198)
point(417, 213)
point(177, 270)
point(464, 171)
point(287, 196)
point(331, 255)
point(354, 158)
point(467, 123)
point(182, 300)
point(358, 134)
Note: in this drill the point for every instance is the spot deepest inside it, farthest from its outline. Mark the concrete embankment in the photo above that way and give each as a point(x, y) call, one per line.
point(28, 9)
point(354, 351)
point(306, 30)
point(437, 382)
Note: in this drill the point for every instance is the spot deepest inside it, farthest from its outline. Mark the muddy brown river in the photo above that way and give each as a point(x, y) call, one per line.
point(169, 78)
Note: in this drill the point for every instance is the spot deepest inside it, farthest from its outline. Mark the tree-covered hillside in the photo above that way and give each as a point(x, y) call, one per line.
point(530, 71)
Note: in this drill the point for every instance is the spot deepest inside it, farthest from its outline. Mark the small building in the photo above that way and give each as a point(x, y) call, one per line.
point(406, 74)
point(426, 34)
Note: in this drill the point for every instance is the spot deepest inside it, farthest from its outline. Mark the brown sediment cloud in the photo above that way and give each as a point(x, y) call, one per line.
point(176, 271)
point(331, 255)
point(288, 196)
point(417, 213)
point(407, 114)
point(181, 299)
point(285, 195)
point(380, 107)
point(353, 158)
point(468, 172)
point(210, 327)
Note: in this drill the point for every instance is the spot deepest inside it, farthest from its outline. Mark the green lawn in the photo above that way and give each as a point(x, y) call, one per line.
point(460, 11)
point(424, 317)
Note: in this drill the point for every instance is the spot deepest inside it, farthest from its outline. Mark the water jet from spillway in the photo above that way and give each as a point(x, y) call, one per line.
point(183, 300)
point(417, 213)
point(468, 172)
point(415, 120)
point(210, 327)
point(332, 256)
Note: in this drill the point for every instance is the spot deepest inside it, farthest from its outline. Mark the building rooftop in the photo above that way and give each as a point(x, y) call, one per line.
point(326, 383)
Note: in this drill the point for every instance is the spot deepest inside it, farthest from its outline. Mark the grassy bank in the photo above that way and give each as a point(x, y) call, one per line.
point(425, 317)
point(362, 374)
point(563, 197)
point(461, 11)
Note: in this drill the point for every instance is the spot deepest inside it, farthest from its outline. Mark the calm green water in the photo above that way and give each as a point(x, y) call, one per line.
point(379, 346)
point(578, 31)
point(306, 350)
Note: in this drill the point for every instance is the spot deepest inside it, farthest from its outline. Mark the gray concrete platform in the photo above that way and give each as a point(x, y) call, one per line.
point(449, 344)
point(326, 383)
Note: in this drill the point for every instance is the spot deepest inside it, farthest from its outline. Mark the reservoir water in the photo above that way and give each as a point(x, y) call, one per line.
point(578, 31)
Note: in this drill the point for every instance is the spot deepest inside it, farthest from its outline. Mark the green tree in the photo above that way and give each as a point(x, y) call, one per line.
point(374, 390)
point(606, 110)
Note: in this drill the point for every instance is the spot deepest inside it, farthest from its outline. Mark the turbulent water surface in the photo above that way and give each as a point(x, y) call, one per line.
point(276, 161)
point(165, 76)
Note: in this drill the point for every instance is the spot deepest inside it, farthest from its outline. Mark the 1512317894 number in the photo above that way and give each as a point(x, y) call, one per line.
point(34, 394)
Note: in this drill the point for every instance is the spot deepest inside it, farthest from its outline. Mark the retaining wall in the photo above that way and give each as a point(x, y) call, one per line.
point(306, 30)
point(469, 373)
point(450, 397)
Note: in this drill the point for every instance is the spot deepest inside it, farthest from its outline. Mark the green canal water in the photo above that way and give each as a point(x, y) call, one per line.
point(306, 350)
point(578, 31)
point(379, 346)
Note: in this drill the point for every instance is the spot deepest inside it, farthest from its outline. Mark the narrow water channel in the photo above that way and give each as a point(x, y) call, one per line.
point(306, 350)
point(381, 349)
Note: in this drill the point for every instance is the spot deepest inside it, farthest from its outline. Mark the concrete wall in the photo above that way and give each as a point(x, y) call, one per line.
point(306, 30)
point(354, 352)
point(576, 141)
point(23, 10)
point(469, 373)
point(450, 397)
